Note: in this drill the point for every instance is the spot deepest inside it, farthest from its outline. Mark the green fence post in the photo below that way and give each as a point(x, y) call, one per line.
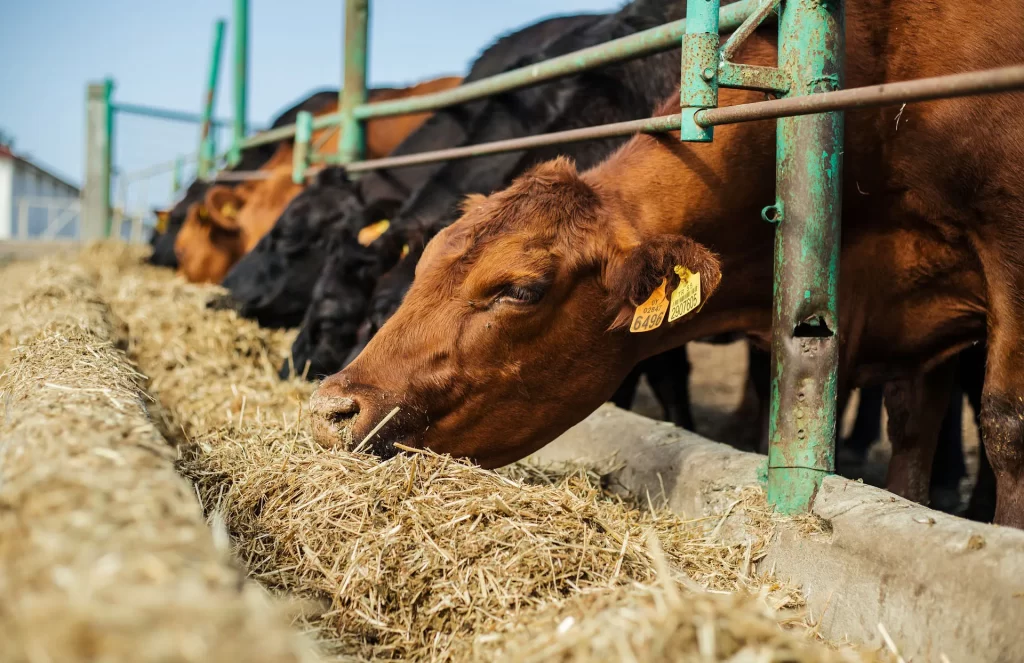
point(300, 155)
point(809, 169)
point(179, 167)
point(241, 79)
point(698, 85)
point(352, 142)
point(99, 146)
point(207, 142)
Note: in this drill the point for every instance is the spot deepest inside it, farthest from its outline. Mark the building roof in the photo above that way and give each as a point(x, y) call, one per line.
point(6, 153)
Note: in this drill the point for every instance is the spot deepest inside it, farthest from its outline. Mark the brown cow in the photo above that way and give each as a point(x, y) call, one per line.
point(516, 326)
point(237, 217)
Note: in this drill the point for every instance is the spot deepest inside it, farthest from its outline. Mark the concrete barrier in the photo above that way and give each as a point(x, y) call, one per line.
point(943, 588)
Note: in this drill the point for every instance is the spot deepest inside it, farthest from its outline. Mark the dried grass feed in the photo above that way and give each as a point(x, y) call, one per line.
point(419, 558)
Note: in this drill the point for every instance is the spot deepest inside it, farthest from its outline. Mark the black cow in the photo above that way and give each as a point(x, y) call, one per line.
point(251, 159)
point(619, 92)
point(273, 283)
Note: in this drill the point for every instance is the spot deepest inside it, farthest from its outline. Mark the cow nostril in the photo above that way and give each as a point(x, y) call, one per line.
point(333, 418)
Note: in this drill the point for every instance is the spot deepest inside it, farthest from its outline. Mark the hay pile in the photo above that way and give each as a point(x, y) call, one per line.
point(104, 551)
point(423, 557)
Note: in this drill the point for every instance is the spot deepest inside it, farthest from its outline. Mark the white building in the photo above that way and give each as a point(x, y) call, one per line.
point(34, 202)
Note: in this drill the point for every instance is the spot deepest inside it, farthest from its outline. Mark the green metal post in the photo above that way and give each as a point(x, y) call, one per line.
point(352, 142)
point(300, 155)
point(698, 86)
point(207, 143)
point(179, 167)
point(99, 146)
point(241, 72)
point(805, 348)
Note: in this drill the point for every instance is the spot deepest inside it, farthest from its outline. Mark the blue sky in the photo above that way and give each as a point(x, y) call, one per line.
point(157, 53)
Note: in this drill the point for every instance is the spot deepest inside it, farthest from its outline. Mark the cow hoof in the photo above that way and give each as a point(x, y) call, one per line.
point(332, 419)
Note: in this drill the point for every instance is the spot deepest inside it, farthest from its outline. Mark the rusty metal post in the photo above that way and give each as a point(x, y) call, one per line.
point(207, 146)
point(805, 321)
point(698, 85)
point(352, 142)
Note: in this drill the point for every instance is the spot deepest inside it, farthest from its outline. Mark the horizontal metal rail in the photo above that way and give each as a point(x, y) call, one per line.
point(1004, 79)
point(987, 81)
point(648, 42)
point(166, 114)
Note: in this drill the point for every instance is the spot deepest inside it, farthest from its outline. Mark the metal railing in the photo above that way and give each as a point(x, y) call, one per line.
point(809, 109)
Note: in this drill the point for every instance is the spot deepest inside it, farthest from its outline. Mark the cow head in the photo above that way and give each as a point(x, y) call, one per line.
point(516, 327)
point(164, 239)
point(208, 243)
point(273, 283)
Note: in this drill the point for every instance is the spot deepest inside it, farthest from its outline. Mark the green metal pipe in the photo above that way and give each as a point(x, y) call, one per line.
point(300, 155)
point(241, 80)
point(698, 84)
point(179, 167)
point(207, 146)
point(805, 318)
point(987, 81)
point(167, 114)
point(648, 42)
point(352, 142)
point(1004, 79)
point(107, 155)
point(649, 125)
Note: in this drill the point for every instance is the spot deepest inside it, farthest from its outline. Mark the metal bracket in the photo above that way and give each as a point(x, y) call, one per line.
point(752, 77)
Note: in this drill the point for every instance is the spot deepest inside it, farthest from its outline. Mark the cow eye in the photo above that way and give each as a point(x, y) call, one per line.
point(521, 294)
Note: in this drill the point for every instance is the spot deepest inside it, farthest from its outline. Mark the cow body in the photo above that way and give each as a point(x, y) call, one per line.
point(246, 212)
point(252, 158)
point(517, 324)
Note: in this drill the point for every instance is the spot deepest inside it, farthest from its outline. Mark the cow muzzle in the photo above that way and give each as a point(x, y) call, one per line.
point(361, 419)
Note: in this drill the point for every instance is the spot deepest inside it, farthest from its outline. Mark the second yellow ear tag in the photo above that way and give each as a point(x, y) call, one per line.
point(651, 313)
point(372, 232)
point(686, 296)
point(228, 211)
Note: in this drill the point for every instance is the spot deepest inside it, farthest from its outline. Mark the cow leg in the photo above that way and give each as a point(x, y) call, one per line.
point(914, 429)
point(852, 453)
point(949, 468)
point(971, 376)
point(1002, 421)
point(669, 377)
point(623, 396)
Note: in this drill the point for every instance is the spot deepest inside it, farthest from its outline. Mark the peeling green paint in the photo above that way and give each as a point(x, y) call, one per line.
point(352, 139)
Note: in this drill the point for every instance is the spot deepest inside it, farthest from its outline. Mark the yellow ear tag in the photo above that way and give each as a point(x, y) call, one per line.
point(161, 222)
point(686, 296)
point(228, 210)
point(405, 251)
point(370, 233)
point(650, 314)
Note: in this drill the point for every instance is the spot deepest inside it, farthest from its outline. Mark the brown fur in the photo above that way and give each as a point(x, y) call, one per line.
point(206, 257)
point(932, 261)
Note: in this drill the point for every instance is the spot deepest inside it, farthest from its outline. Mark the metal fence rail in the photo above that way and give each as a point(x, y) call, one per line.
point(809, 109)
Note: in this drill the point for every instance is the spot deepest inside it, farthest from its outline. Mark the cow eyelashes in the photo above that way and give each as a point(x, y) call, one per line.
point(521, 294)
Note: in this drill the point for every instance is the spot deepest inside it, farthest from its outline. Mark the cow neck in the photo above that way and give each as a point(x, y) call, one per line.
point(658, 186)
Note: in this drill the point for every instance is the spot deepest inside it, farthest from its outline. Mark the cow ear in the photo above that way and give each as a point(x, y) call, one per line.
point(633, 274)
point(471, 202)
point(222, 205)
